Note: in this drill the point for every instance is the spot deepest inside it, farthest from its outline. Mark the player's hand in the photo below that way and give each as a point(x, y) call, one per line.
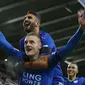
point(81, 20)
point(41, 63)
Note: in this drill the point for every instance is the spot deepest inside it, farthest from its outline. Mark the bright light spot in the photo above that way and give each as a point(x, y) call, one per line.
point(5, 59)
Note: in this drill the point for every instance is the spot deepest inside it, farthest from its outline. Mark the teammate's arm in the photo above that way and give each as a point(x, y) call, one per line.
point(76, 37)
point(8, 48)
point(63, 52)
point(71, 44)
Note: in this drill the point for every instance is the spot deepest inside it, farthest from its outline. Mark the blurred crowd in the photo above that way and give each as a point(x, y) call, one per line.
point(6, 80)
point(5, 77)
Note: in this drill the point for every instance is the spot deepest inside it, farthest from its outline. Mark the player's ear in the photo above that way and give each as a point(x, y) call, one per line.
point(40, 46)
point(38, 23)
point(77, 70)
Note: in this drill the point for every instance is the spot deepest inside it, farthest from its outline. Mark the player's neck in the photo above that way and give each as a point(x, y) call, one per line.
point(71, 78)
point(33, 58)
point(36, 30)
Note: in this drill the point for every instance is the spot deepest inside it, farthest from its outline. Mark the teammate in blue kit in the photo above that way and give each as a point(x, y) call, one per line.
point(72, 70)
point(62, 52)
point(31, 24)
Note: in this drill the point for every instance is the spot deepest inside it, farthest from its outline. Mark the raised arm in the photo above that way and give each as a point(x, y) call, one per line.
point(72, 43)
point(8, 48)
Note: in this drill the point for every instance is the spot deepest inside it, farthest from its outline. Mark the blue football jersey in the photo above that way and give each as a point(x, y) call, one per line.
point(77, 81)
point(46, 39)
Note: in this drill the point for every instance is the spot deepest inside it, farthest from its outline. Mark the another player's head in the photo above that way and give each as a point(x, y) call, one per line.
point(32, 46)
point(31, 21)
point(72, 69)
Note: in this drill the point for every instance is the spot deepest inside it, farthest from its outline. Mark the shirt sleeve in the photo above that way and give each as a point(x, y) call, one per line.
point(8, 48)
point(71, 44)
point(46, 39)
point(21, 43)
point(83, 80)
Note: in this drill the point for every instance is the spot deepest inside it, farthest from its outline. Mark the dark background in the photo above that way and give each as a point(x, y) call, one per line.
point(59, 19)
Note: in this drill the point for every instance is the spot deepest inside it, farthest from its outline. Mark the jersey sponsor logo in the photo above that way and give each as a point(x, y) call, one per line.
point(31, 79)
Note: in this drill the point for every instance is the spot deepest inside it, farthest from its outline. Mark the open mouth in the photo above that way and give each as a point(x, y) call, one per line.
point(26, 24)
point(28, 49)
point(70, 72)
